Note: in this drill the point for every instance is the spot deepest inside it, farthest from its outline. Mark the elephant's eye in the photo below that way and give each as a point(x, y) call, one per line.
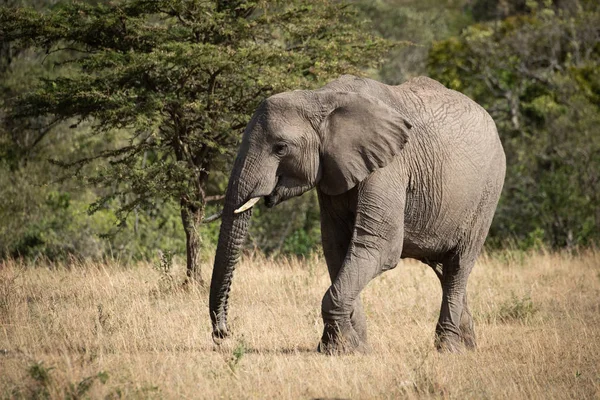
point(280, 149)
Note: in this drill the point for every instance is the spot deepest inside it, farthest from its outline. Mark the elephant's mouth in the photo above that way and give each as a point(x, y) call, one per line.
point(272, 200)
point(285, 189)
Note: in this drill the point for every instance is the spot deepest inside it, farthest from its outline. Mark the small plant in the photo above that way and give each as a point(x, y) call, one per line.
point(517, 309)
point(41, 375)
point(102, 316)
point(166, 282)
point(236, 357)
point(77, 391)
point(42, 380)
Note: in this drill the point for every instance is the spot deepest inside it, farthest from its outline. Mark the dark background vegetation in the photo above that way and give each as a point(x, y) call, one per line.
point(119, 120)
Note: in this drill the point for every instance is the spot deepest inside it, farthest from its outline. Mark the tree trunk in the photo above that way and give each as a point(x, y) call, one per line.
point(192, 204)
point(191, 217)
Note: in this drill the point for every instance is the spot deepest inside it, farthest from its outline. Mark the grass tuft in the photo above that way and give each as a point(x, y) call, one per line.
point(517, 309)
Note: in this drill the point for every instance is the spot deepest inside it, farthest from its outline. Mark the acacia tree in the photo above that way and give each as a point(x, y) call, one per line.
point(180, 79)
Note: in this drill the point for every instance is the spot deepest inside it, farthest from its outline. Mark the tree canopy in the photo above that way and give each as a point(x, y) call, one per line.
point(172, 83)
point(140, 105)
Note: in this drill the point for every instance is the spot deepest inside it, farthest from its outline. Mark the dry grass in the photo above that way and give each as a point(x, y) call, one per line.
point(102, 330)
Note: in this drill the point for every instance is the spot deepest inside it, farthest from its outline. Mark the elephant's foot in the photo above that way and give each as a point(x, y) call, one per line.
point(341, 338)
point(220, 333)
point(449, 344)
point(456, 340)
point(447, 341)
point(446, 345)
point(455, 344)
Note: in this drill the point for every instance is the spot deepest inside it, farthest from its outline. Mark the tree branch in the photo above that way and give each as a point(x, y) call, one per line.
point(216, 197)
point(213, 217)
point(43, 133)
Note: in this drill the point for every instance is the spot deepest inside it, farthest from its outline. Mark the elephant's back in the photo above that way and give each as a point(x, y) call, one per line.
point(436, 112)
point(448, 124)
point(448, 128)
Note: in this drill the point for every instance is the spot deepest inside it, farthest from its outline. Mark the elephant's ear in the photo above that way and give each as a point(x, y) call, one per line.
point(360, 135)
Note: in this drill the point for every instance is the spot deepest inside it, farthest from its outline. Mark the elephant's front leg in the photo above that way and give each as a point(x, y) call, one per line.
point(376, 244)
point(343, 334)
point(337, 226)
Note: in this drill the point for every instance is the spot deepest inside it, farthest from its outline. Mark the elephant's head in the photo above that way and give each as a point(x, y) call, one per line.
point(294, 142)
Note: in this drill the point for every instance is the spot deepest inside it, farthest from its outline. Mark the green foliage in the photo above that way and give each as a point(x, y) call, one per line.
point(416, 23)
point(294, 229)
point(302, 241)
point(237, 355)
point(42, 383)
point(141, 104)
point(486, 10)
point(41, 219)
point(168, 72)
point(537, 75)
point(39, 373)
point(79, 390)
point(169, 85)
point(50, 220)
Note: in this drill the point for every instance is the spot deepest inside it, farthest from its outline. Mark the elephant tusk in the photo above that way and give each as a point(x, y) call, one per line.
point(249, 204)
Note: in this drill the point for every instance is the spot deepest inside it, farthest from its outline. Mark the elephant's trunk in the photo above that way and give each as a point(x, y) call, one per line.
point(234, 228)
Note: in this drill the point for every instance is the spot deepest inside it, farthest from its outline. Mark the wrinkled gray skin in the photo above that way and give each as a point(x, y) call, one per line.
point(413, 171)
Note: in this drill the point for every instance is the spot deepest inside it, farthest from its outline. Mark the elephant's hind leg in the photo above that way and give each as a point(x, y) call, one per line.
point(466, 327)
point(454, 329)
point(456, 321)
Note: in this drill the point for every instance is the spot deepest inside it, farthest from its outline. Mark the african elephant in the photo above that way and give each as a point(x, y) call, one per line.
point(413, 170)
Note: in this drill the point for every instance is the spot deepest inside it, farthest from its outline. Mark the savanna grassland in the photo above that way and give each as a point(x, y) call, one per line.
point(103, 330)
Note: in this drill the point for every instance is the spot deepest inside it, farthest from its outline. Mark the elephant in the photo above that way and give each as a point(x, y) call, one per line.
point(407, 171)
